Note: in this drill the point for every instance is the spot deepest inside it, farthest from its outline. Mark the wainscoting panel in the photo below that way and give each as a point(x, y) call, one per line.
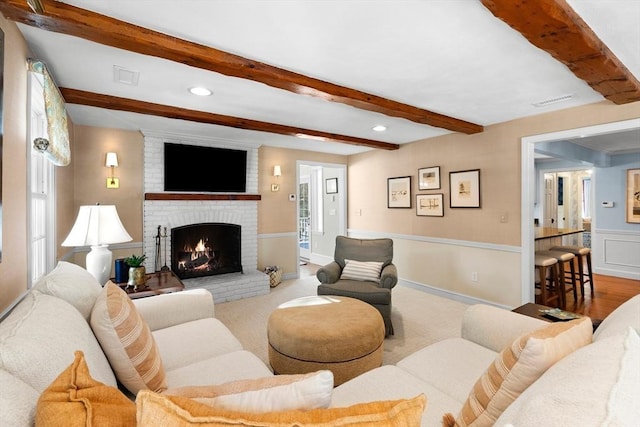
point(616, 253)
point(473, 270)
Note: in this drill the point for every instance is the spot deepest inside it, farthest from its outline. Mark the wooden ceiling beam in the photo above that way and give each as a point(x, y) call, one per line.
point(553, 26)
point(74, 96)
point(64, 18)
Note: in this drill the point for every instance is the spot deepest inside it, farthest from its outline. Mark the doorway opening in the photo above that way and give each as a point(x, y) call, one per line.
point(566, 197)
point(530, 198)
point(321, 211)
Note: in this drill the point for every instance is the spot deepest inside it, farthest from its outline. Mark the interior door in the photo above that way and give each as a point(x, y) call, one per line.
point(550, 207)
point(304, 218)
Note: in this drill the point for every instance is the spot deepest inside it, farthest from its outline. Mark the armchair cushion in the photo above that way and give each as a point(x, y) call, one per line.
point(361, 270)
point(363, 250)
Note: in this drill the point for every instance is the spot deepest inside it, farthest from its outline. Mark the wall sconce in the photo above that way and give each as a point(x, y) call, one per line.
point(276, 173)
point(112, 162)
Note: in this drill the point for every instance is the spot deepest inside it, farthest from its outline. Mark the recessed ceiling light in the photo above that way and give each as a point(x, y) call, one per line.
point(379, 128)
point(200, 91)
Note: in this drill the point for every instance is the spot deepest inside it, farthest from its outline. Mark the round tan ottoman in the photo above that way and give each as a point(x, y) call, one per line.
point(343, 335)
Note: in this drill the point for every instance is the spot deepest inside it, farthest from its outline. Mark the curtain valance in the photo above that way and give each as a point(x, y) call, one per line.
point(58, 151)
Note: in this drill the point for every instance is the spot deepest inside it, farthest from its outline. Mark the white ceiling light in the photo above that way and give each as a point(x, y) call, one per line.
point(379, 128)
point(200, 91)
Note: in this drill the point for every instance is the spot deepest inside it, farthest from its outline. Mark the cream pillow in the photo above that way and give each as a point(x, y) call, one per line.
point(73, 284)
point(127, 341)
point(277, 393)
point(158, 410)
point(76, 399)
point(368, 271)
point(517, 367)
point(603, 379)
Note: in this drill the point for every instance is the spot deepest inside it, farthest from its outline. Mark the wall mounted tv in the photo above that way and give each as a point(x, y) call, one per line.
point(204, 169)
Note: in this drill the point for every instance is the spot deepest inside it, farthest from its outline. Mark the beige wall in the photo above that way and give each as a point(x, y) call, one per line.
point(277, 222)
point(89, 148)
point(13, 268)
point(443, 252)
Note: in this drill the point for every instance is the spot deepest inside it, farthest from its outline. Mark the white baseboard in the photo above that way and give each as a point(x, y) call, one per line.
point(448, 294)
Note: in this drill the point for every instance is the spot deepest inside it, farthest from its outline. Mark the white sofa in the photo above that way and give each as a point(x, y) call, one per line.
point(596, 385)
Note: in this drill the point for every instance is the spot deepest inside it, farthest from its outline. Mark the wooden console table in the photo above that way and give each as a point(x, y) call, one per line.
point(160, 282)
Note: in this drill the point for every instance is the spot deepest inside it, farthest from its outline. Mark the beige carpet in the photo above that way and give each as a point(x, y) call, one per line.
point(419, 318)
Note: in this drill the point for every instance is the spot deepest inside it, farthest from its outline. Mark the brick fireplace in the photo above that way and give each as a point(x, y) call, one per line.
point(200, 210)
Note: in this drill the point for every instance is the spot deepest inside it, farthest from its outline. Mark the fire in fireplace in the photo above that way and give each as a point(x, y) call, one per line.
point(206, 249)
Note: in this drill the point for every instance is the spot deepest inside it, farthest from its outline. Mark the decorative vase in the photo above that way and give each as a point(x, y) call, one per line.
point(137, 276)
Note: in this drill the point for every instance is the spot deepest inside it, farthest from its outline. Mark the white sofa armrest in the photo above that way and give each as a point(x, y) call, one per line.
point(162, 311)
point(495, 328)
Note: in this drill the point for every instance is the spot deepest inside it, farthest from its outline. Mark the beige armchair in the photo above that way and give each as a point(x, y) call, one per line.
point(360, 280)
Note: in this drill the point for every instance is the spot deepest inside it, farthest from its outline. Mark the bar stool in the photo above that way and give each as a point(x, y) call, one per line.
point(564, 258)
point(548, 295)
point(582, 253)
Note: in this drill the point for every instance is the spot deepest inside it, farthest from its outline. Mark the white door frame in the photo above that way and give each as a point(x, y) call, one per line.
point(528, 191)
point(342, 202)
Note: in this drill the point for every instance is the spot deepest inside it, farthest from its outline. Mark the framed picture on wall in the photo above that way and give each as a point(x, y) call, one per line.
point(399, 192)
point(331, 185)
point(429, 178)
point(429, 205)
point(464, 189)
point(633, 196)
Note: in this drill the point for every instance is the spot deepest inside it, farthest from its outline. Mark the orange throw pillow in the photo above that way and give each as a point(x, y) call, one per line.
point(76, 399)
point(173, 411)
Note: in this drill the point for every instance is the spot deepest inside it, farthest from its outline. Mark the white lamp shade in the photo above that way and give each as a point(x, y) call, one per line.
point(277, 171)
point(97, 225)
point(112, 160)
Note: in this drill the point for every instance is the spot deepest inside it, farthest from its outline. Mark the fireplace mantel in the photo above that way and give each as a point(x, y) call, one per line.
point(201, 196)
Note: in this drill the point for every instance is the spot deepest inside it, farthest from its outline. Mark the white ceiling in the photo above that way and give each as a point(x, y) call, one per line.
point(448, 56)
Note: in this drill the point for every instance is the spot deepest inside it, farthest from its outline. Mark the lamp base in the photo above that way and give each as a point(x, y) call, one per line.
point(99, 263)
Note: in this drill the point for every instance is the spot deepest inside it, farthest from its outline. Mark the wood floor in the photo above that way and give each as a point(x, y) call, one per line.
point(609, 293)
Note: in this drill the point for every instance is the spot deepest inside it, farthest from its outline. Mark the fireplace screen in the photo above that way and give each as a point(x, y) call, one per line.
point(205, 249)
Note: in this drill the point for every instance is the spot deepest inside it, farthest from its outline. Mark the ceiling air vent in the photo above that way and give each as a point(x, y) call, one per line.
point(551, 101)
point(124, 76)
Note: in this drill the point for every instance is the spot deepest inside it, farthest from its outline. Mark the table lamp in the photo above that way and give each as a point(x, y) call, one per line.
point(97, 226)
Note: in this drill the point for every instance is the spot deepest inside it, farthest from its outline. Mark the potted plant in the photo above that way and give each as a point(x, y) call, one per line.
point(137, 271)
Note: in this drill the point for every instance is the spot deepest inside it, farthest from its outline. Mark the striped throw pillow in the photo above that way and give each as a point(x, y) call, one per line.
point(127, 341)
point(363, 271)
point(517, 367)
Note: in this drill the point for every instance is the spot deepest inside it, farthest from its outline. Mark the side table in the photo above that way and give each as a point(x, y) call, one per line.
point(533, 310)
point(160, 282)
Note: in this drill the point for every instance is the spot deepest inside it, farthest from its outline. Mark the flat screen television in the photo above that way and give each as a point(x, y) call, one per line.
point(204, 169)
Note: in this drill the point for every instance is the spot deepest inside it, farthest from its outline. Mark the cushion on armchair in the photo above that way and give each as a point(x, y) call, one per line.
point(361, 270)
point(363, 250)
